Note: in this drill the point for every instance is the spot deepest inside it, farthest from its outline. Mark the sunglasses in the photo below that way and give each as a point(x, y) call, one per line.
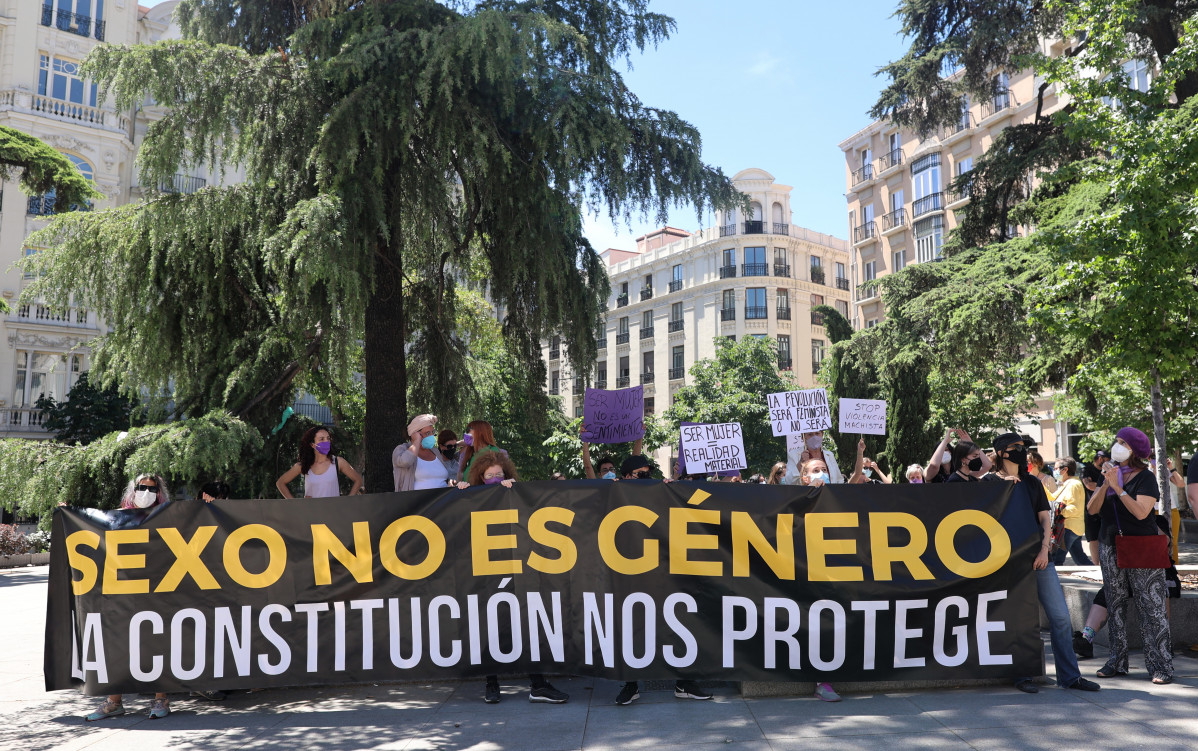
point(641, 475)
point(148, 487)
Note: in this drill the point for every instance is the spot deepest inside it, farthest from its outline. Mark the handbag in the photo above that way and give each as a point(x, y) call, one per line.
point(1140, 551)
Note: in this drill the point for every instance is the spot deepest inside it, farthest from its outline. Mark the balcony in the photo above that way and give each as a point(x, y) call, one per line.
point(817, 274)
point(863, 175)
point(646, 378)
point(783, 314)
point(781, 229)
point(622, 301)
point(622, 382)
point(754, 269)
point(954, 199)
point(863, 233)
point(894, 221)
point(817, 319)
point(867, 291)
point(815, 366)
point(755, 312)
point(785, 363)
point(727, 272)
point(554, 391)
point(677, 374)
point(601, 383)
point(956, 131)
point(1003, 100)
point(675, 285)
point(44, 206)
point(927, 204)
point(182, 184)
point(37, 313)
point(22, 420)
point(727, 229)
point(842, 282)
point(782, 269)
point(601, 342)
point(555, 353)
point(622, 338)
point(728, 314)
point(889, 161)
point(675, 326)
point(756, 227)
point(647, 333)
point(646, 293)
point(14, 100)
point(73, 23)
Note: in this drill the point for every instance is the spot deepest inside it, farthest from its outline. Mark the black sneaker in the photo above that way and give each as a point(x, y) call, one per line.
point(628, 694)
point(1027, 686)
point(1082, 646)
point(547, 694)
point(210, 695)
point(1082, 684)
point(689, 690)
point(492, 694)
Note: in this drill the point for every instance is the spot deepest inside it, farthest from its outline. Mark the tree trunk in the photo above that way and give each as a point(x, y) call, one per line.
point(1158, 430)
point(386, 371)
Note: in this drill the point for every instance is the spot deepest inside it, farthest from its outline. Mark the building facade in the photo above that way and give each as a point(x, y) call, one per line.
point(900, 207)
point(42, 43)
point(754, 274)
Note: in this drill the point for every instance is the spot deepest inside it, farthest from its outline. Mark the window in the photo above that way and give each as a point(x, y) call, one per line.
point(1002, 91)
point(624, 288)
point(29, 252)
point(894, 142)
point(929, 236)
point(647, 362)
point(842, 307)
point(623, 325)
point(1137, 75)
point(780, 256)
point(649, 280)
point(755, 262)
point(784, 360)
point(815, 262)
point(729, 299)
point(59, 79)
point(840, 270)
point(896, 200)
point(647, 319)
point(817, 351)
point(730, 256)
point(624, 368)
point(898, 260)
point(43, 205)
point(50, 373)
point(677, 357)
point(866, 158)
point(601, 374)
point(555, 382)
point(783, 298)
point(964, 164)
point(676, 273)
point(649, 406)
point(817, 300)
point(871, 323)
point(925, 177)
point(870, 269)
point(755, 303)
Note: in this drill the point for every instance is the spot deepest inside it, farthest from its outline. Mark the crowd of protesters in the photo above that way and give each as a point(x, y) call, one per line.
point(1081, 509)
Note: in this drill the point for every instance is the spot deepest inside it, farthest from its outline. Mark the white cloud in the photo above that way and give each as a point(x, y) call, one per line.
point(764, 65)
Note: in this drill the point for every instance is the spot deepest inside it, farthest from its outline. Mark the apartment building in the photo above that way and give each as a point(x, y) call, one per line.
point(900, 207)
point(42, 43)
point(753, 274)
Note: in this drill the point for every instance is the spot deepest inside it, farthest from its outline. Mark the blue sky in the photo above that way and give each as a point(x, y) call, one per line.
point(774, 84)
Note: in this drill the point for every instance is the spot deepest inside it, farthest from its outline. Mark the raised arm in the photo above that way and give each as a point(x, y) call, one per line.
point(587, 468)
point(933, 467)
point(857, 477)
point(881, 475)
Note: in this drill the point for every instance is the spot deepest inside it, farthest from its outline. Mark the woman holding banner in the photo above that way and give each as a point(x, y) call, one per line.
point(143, 492)
point(418, 465)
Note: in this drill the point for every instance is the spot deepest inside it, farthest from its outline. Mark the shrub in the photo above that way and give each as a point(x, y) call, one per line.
point(39, 541)
point(12, 542)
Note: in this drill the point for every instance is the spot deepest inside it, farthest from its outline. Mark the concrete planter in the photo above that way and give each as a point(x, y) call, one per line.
point(28, 559)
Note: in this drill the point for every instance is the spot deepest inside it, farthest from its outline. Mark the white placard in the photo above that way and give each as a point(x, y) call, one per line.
point(719, 447)
point(863, 416)
point(805, 411)
point(794, 441)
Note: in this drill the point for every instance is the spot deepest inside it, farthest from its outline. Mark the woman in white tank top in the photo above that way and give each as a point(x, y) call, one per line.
point(318, 469)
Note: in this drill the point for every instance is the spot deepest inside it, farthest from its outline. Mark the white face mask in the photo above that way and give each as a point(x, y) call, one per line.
point(815, 442)
point(946, 458)
point(1120, 453)
point(144, 498)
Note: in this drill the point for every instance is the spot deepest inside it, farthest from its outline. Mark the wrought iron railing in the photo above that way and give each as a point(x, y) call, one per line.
point(896, 218)
point(676, 325)
point(865, 231)
point(782, 269)
point(754, 269)
point(927, 204)
point(754, 312)
point(675, 285)
point(727, 272)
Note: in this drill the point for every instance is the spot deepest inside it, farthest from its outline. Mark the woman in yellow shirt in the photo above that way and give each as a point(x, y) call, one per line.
point(1071, 492)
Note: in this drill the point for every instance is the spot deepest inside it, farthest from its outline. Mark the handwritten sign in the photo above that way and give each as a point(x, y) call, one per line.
point(867, 416)
point(803, 411)
point(794, 442)
point(713, 448)
point(613, 416)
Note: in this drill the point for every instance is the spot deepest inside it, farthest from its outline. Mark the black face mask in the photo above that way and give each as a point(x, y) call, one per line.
point(1018, 455)
point(975, 464)
point(448, 452)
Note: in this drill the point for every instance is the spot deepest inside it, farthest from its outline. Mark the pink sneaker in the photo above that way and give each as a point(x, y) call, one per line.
point(825, 692)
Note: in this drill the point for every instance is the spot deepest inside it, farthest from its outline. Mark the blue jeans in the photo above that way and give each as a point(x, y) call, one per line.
point(1052, 599)
point(1075, 545)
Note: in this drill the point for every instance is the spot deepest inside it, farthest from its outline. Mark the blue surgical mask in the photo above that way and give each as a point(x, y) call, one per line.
point(867, 472)
point(1056, 475)
point(609, 475)
point(823, 476)
point(428, 442)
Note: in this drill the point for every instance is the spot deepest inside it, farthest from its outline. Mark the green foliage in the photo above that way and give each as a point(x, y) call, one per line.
point(36, 476)
point(388, 147)
point(42, 169)
point(565, 447)
point(732, 387)
point(836, 326)
point(87, 413)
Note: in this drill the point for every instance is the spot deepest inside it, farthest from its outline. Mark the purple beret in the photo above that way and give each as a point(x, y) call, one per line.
point(1136, 440)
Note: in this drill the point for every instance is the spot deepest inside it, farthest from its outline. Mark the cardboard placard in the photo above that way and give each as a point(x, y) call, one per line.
point(711, 448)
point(863, 416)
point(616, 416)
point(803, 411)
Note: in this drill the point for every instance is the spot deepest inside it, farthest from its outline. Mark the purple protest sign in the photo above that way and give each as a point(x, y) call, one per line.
point(613, 416)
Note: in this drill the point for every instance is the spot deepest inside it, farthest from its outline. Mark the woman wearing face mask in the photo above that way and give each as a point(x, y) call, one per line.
point(479, 440)
point(319, 468)
point(812, 449)
point(419, 464)
point(915, 474)
point(813, 473)
point(776, 474)
point(143, 492)
point(969, 463)
point(1035, 468)
point(1126, 504)
point(495, 468)
point(939, 466)
point(1072, 496)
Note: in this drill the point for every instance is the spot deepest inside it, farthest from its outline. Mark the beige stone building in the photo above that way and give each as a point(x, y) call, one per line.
point(900, 207)
point(42, 43)
point(754, 274)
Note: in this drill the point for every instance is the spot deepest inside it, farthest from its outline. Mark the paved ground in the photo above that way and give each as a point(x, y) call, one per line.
point(1127, 713)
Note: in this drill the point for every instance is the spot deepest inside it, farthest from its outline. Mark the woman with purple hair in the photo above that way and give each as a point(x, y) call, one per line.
point(1126, 504)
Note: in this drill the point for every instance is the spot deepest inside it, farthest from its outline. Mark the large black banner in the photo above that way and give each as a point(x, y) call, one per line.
point(627, 580)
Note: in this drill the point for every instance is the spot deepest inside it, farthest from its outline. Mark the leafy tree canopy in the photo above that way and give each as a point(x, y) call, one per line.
point(87, 413)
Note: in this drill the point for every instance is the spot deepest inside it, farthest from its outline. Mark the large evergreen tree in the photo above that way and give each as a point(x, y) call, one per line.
point(387, 145)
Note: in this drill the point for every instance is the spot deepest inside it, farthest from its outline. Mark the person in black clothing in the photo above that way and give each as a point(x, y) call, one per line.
point(968, 463)
point(1091, 479)
point(1010, 452)
point(1126, 503)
